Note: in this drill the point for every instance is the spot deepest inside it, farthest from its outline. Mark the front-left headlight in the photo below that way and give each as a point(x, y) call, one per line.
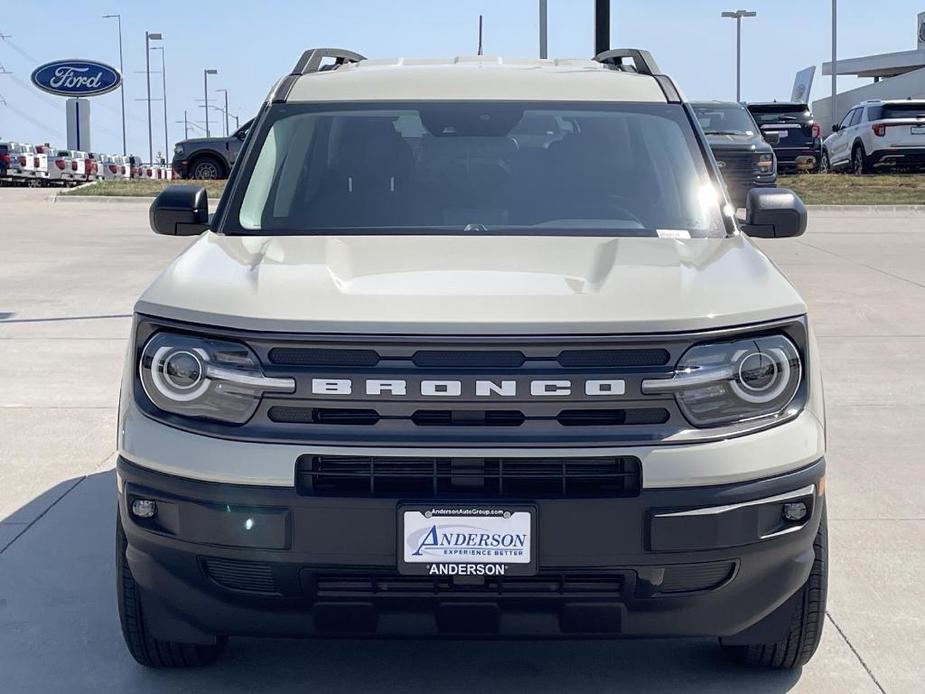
point(765, 163)
point(727, 382)
point(178, 149)
point(200, 377)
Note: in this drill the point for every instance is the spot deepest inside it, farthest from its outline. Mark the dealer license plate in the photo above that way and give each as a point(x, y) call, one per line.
point(465, 540)
point(918, 129)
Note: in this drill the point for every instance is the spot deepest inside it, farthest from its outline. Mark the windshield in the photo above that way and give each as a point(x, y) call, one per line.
point(724, 120)
point(471, 167)
point(781, 113)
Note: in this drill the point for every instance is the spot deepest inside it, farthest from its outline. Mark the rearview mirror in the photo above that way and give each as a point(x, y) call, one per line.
point(774, 213)
point(180, 210)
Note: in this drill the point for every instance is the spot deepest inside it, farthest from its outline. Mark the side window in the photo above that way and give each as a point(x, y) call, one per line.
point(856, 118)
point(846, 121)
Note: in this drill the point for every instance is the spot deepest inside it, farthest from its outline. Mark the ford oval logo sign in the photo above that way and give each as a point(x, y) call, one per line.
point(76, 78)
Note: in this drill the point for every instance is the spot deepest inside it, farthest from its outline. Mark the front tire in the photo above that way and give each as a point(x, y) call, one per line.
point(825, 166)
point(798, 646)
point(146, 649)
point(206, 168)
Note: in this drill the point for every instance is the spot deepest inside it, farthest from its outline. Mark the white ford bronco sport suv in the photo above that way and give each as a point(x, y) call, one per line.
point(472, 347)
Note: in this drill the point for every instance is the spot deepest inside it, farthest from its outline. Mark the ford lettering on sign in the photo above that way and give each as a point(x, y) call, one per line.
point(76, 78)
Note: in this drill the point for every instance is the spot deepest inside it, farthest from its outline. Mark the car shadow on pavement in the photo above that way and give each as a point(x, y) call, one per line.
point(59, 631)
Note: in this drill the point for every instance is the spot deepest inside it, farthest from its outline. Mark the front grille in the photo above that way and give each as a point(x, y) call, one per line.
point(642, 416)
point(401, 477)
point(248, 576)
point(739, 166)
point(328, 586)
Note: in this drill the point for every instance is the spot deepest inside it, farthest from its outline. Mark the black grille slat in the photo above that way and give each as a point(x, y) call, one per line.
point(332, 415)
point(613, 357)
point(542, 586)
point(302, 356)
point(252, 577)
point(468, 358)
point(323, 475)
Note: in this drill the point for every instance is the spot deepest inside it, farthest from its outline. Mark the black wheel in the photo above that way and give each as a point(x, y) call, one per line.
point(825, 166)
point(797, 648)
point(859, 161)
point(146, 649)
point(206, 168)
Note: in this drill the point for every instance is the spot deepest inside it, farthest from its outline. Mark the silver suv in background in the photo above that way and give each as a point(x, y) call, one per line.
point(205, 158)
point(876, 135)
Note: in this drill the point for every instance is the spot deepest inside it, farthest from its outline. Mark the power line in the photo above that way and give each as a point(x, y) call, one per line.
point(7, 39)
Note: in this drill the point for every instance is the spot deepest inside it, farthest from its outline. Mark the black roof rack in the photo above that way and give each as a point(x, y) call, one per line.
point(312, 59)
point(643, 62)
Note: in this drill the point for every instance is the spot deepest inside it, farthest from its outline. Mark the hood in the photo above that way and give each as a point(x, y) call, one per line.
point(203, 141)
point(753, 143)
point(470, 284)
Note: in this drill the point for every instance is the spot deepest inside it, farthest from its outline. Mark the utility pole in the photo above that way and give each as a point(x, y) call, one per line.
point(226, 109)
point(601, 26)
point(834, 62)
point(164, 90)
point(185, 122)
point(148, 38)
point(738, 15)
point(205, 93)
point(544, 29)
point(118, 18)
point(480, 35)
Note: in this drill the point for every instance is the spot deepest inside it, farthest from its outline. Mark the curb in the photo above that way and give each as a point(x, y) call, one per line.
point(102, 199)
point(866, 210)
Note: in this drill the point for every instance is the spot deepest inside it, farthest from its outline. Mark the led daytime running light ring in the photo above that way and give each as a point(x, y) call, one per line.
point(158, 361)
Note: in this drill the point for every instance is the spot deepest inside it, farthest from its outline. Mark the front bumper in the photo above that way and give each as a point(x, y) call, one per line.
point(180, 167)
point(307, 565)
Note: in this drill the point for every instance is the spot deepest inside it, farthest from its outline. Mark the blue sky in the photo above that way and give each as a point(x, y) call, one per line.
point(252, 43)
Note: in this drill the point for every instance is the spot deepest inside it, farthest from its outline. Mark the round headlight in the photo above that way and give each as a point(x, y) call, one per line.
point(727, 382)
point(201, 377)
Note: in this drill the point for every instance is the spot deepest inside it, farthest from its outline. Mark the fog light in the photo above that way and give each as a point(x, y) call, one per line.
point(144, 508)
point(796, 511)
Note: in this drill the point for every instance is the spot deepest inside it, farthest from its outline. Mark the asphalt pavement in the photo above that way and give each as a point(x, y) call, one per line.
point(69, 275)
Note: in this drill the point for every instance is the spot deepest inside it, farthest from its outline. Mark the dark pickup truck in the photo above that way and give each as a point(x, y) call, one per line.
point(794, 134)
point(208, 157)
point(744, 158)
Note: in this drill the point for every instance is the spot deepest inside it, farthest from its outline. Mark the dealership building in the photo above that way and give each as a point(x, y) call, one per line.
point(894, 76)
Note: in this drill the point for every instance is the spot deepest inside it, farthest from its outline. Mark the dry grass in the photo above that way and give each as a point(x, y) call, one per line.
point(814, 189)
point(845, 189)
point(142, 188)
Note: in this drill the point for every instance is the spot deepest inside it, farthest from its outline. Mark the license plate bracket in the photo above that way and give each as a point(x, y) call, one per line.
point(477, 540)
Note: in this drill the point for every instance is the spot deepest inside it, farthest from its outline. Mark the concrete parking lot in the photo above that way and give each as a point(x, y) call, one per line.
point(69, 274)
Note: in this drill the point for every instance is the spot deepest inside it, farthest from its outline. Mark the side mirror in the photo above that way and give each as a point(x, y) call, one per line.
point(241, 134)
point(836, 128)
point(772, 138)
point(181, 210)
point(774, 213)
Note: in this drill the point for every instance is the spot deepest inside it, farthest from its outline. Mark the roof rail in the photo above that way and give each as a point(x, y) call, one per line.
point(643, 62)
point(312, 58)
point(311, 61)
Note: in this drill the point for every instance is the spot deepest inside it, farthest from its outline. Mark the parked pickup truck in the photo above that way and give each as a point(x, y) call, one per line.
point(208, 157)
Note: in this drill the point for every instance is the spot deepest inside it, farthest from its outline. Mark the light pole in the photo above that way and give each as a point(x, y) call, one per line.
point(118, 18)
point(834, 61)
point(226, 109)
point(164, 90)
point(738, 15)
point(149, 37)
point(205, 93)
point(544, 29)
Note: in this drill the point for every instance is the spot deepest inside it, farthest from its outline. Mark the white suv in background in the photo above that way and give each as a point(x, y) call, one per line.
point(877, 134)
